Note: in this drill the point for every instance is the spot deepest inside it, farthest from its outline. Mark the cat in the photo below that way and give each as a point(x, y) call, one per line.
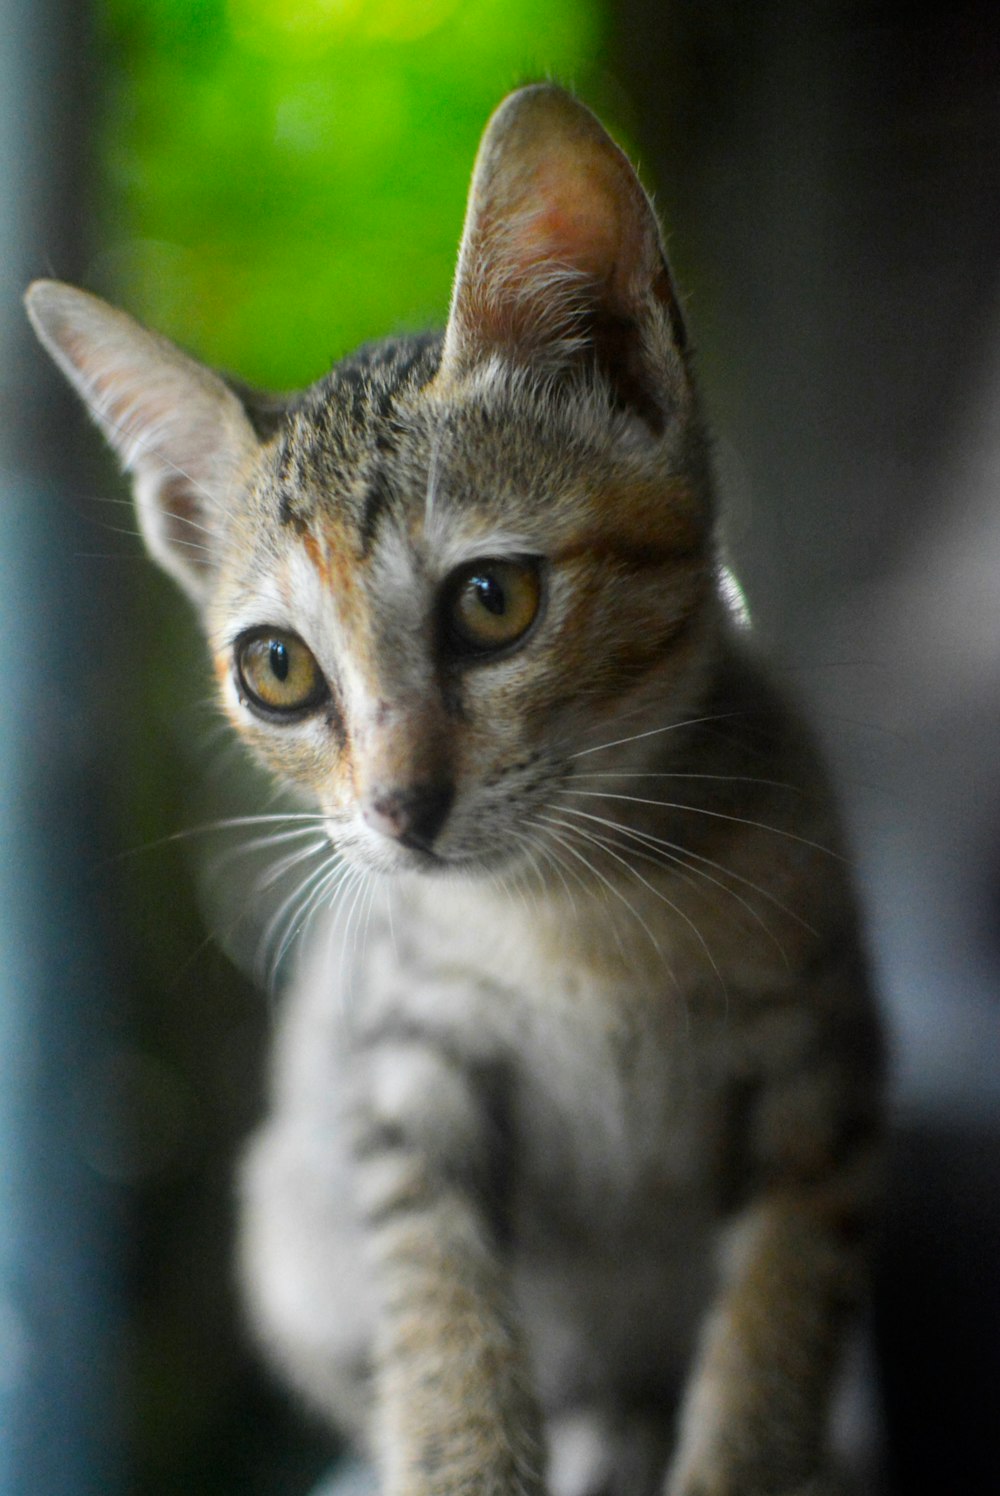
point(573, 1157)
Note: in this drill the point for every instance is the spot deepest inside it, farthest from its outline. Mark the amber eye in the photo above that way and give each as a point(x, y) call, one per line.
point(491, 604)
point(278, 673)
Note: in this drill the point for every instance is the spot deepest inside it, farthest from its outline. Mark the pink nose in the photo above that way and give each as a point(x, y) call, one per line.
point(413, 817)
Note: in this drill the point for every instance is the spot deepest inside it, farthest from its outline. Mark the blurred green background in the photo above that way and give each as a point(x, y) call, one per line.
point(283, 179)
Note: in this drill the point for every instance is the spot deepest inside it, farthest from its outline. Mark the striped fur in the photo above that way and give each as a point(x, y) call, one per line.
point(573, 1153)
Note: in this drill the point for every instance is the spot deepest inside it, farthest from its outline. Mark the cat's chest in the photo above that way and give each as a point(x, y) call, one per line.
point(606, 1085)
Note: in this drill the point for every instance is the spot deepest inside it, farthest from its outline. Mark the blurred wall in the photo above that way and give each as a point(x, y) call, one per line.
point(830, 176)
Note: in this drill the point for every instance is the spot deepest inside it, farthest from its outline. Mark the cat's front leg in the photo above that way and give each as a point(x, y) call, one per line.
point(754, 1421)
point(454, 1411)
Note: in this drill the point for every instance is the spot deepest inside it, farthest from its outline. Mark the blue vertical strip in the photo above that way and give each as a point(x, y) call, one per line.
point(59, 1227)
point(59, 1232)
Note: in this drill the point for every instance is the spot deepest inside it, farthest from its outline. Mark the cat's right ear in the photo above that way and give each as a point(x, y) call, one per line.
point(174, 425)
point(561, 266)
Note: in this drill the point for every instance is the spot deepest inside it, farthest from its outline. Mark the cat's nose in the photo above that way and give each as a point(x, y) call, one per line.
point(414, 817)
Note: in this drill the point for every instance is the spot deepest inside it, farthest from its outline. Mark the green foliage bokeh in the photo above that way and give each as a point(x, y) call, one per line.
point(286, 178)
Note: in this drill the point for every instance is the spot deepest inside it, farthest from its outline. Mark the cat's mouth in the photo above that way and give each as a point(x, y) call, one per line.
point(390, 857)
point(428, 863)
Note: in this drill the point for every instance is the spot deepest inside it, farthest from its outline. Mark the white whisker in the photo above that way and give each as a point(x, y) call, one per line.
point(260, 843)
point(775, 784)
point(293, 914)
point(226, 823)
point(685, 855)
point(284, 865)
point(658, 893)
point(653, 732)
point(608, 884)
point(666, 854)
point(719, 815)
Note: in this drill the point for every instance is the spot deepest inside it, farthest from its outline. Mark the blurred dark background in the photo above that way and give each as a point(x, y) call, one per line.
point(271, 183)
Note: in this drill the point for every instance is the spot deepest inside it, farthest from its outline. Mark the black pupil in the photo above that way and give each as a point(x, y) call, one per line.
point(489, 593)
point(278, 659)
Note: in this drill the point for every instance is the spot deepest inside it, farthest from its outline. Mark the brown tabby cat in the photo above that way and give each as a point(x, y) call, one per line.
point(571, 1159)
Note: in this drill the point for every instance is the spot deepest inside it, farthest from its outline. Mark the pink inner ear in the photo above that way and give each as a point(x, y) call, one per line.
point(579, 224)
point(561, 259)
point(560, 228)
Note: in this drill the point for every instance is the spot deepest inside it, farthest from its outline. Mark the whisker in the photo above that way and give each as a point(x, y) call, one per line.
point(652, 732)
point(260, 843)
point(129, 503)
point(719, 815)
point(292, 914)
point(519, 885)
point(343, 888)
point(326, 892)
point(267, 963)
point(351, 926)
point(676, 856)
point(606, 886)
point(689, 855)
point(609, 885)
point(658, 893)
point(775, 784)
point(559, 865)
point(284, 865)
point(546, 853)
point(365, 913)
point(515, 875)
point(226, 823)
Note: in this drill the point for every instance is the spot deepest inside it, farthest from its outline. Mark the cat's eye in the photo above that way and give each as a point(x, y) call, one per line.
point(490, 605)
point(278, 674)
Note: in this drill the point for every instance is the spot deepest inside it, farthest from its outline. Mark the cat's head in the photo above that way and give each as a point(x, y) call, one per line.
point(455, 563)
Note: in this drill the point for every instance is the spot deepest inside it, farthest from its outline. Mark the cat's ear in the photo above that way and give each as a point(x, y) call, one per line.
point(561, 263)
point(174, 425)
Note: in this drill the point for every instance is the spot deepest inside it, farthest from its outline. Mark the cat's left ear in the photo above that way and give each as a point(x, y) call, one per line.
point(175, 426)
point(562, 264)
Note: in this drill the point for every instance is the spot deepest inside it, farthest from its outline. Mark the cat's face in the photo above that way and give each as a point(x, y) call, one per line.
point(422, 617)
point(456, 564)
